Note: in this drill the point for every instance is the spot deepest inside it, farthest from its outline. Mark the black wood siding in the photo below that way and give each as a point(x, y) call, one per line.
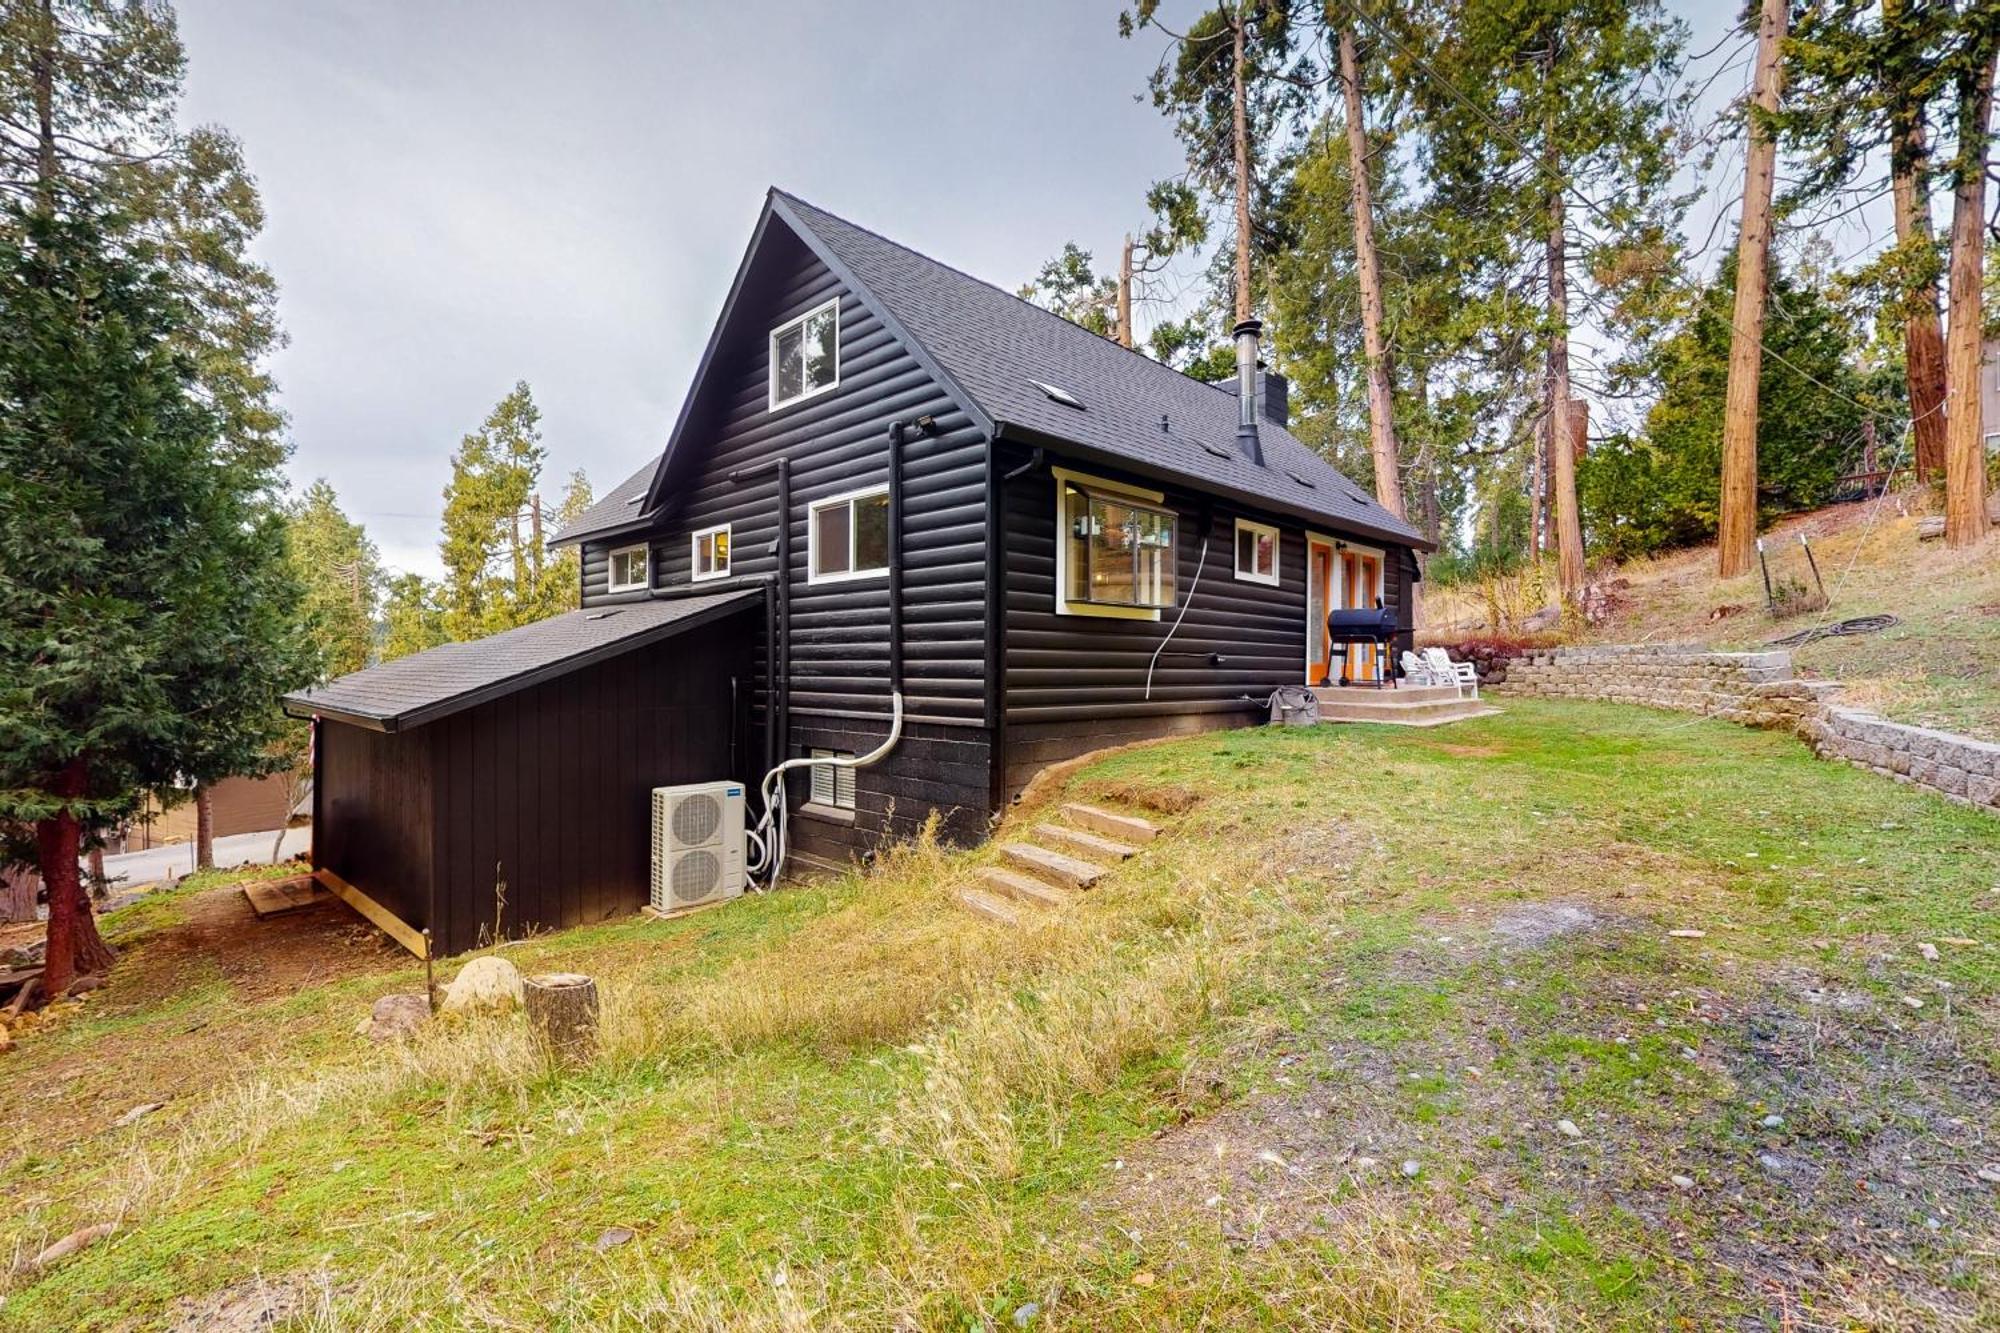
point(547, 790)
point(1086, 669)
point(839, 642)
point(550, 789)
point(373, 812)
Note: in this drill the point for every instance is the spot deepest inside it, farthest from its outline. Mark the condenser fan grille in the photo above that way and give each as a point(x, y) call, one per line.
point(696, 875)
point(695, 820)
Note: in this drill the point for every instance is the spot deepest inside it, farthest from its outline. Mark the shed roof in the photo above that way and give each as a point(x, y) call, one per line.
point(994, 351)
point(423, 687)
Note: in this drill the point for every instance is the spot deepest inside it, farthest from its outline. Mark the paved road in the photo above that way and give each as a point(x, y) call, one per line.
point(168, 863)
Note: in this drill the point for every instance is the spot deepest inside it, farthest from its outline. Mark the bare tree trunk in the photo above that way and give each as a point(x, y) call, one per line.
point(1538, 488)
point(1736, 534)
point(1240, 134)
point(1965, 521)
point(204, 827)
point(1569, 523)
point(74, 946)
point(1923, 333)
point(1923, 328)
point(47, 166)
point(1125, 334)
point(1381, 420)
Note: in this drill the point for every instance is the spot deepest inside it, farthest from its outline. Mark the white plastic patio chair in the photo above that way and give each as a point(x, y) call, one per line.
point(1417, 671)
point(1464, 675)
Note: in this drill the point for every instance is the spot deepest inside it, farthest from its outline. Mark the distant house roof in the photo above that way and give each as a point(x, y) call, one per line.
point(423, 687)
point(1001, 356)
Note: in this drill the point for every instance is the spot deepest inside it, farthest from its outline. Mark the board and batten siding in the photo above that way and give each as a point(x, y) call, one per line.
point(838, 442)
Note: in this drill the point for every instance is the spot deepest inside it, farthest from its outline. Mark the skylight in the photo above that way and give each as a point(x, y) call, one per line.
point(1056, 395)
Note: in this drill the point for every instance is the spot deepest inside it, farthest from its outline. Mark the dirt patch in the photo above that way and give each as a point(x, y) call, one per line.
point(248, 1307)
point(260, 958)
point(1533, 924)
point(1159, 798)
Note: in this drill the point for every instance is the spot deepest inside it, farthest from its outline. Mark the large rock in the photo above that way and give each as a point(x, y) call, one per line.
point(396, 1016)
point(483, 983)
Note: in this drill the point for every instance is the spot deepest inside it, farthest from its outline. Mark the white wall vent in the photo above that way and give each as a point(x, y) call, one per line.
point(697, 844)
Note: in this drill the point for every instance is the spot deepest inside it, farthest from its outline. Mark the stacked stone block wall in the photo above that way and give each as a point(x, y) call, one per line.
point(1758, 690)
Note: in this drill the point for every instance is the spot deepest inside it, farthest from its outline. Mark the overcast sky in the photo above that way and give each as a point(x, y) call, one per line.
point(463, 195)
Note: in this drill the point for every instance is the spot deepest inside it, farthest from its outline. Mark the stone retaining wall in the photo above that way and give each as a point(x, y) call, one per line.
point(1758, 690)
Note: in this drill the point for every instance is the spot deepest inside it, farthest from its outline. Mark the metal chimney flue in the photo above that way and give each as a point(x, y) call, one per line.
point(1247, 337)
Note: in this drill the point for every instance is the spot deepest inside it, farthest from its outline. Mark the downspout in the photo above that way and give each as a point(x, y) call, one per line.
point(778, 637)
point(896, 429)
point(996, 615)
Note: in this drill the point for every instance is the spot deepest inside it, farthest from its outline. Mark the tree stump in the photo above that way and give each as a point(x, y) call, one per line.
point(562, 1013)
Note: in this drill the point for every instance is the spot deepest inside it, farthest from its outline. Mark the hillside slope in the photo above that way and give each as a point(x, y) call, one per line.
point(1939, 666)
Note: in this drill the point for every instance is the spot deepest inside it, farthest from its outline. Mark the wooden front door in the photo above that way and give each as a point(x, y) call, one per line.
point(1319, 598)
point(1360, 578)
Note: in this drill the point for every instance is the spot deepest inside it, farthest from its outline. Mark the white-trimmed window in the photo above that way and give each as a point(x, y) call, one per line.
point(1256, 552)
point(628, 568)
point(847, 536)
point(833, 784)
point(708, 556)
point(1116, 555)
point(805, 355)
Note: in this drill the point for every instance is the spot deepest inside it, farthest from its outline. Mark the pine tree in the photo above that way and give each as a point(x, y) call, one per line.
point(145, 607)
point(1547, 126)
point(338, 567)
point(88, 91)
point(412, 617)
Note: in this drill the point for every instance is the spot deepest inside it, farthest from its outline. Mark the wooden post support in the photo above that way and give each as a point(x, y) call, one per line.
point(562, 1012)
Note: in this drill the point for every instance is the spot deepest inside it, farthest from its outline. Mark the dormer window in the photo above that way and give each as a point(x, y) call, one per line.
point(805, 355)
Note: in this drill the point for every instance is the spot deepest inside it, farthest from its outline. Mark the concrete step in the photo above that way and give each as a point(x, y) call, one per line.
point(1418, 715)
point(1013, 884)
point(1416, 694)
point(984, 904)
point(1128, 829)
point(1084, 844)
point(1065, 872)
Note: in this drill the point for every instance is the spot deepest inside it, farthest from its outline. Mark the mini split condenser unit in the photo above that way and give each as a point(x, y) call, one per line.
point(697, 844)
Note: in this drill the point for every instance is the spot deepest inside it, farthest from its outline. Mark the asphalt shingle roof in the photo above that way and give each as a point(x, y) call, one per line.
point(993, 346)
point(426, 686)
point(622, 505)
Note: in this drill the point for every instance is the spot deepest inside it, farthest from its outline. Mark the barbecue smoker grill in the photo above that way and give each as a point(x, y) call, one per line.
point(1347, 626)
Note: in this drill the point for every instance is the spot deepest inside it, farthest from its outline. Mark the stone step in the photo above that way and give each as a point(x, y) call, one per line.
point(1065, 872)
point(1013, 884)
point(1084, 844)
point(984, 904)
point(1415, 694)
point(1420, 715)
point(1126, 828)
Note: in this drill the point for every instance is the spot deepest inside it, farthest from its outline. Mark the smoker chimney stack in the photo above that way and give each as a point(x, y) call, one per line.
point(1246, 391)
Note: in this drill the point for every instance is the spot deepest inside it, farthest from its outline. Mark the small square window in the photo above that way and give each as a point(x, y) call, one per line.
point(849, 536)
point(710, 556)
point(833, 784)
point(1256, 552)
point(805, 355)
point(628, 568)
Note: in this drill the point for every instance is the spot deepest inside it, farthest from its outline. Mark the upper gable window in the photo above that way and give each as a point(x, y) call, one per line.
point(805, 355)
point(1256, 552)
point(628, 568)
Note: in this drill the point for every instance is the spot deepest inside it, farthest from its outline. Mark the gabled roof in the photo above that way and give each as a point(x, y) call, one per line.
point(426, 686)
point(622, 508)
point(992, 351)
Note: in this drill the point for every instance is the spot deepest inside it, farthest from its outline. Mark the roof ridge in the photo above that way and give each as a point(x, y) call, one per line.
point(1013, 296)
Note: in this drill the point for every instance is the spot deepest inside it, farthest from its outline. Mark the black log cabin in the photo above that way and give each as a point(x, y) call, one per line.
point(889, 448)
point(887, 475)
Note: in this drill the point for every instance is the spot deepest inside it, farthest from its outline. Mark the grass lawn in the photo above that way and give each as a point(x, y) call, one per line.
point(1313, 1059)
